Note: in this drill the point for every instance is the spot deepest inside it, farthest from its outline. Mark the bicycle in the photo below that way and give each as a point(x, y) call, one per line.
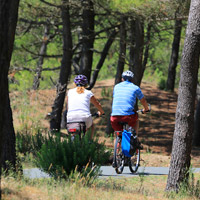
point(78, 127)
point(120, 160)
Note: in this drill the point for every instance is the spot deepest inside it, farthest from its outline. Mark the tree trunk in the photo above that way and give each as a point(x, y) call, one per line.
point(196, 140)
point(174, 55)
point(146, 52)
point(102, 59)
point(8, 21)
point(65, 70)
point(122, 51)
point(184, 126)
point(87, 38)
point(9, 152)
point(121, 62)
point(43, 50)
point(136, 49)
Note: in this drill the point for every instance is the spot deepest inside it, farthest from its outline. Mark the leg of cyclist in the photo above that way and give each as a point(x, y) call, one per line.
point(89, 125)
point(136, 126)
point(118, 131)
point(92, 131)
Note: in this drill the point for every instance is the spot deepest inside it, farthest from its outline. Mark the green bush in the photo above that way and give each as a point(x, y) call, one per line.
point(27, 143)
point(60, 156)
point(162, 84)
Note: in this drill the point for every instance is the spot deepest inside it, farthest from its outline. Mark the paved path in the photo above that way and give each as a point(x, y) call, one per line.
point(108, 171)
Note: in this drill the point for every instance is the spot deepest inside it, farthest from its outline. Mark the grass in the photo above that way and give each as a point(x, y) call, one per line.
point(140, 187)
point(101, 189)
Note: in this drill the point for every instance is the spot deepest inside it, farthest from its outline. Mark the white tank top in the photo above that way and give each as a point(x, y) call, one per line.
point(79, 104)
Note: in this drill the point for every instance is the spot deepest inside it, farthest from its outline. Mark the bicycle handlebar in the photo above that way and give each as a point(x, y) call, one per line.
point(145, 111)
point(96, 114)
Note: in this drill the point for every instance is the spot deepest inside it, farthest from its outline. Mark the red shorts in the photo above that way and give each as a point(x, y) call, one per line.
point(130, 119)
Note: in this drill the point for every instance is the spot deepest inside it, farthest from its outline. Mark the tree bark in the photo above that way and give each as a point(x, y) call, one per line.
point(87, 38)
point(65, 70)
point(43, 51)
point(8, 21)
point(102, 59)
point(196, 140)
point(184, 126)
point(9, 152)
point(122, 51)
point(174, 55)
point(136, 49)
point(146, 52)
point(121, 62)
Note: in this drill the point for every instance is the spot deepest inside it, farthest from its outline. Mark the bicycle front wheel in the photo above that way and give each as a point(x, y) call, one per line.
point(119, 158)
point(134, 161)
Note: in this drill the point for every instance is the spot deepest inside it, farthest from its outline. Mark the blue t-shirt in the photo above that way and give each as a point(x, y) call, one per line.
point(124, 98)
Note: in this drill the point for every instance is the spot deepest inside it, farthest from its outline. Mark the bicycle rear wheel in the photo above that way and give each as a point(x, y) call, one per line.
point(134, 161)
point(119, 158)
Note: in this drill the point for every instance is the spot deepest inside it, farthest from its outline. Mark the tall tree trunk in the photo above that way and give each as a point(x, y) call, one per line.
point(65, 70)
point(102, 59)
point(121, 62)
point(184, 126)
point(122, 51)
point(8, 21)
point(43, 51)
point(196, 140)
point(147, 45)
point(174, 55)
point(87, 38)
point(136, 49)
point(9, 152)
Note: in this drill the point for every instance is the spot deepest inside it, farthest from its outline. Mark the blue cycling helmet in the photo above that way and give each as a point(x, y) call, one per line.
point(81, 80)
point(127, 75)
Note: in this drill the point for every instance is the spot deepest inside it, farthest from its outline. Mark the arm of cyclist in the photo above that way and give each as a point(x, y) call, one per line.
point(97, 104)
point(145, 105)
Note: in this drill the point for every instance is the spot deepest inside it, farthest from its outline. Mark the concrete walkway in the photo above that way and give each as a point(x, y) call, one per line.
point(108, 171)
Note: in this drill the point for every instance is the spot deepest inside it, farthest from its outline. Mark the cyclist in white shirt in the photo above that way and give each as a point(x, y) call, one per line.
point(78, 103)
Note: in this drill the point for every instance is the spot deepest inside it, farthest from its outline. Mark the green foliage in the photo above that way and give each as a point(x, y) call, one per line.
point(145, 8)
point(59, 157)
point(27, 143)
point(106, 92)
point(29, 37)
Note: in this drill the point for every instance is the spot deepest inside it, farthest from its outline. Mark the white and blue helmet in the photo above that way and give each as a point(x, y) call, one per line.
point(127, 75)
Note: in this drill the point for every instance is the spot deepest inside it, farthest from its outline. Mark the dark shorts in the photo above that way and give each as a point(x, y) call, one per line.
point(130, 119)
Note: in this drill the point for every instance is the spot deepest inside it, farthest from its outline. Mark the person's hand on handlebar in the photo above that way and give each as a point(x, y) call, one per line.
point(145, 111)
point(100, 113)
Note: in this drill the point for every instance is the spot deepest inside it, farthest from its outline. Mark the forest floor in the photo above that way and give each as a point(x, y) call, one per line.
point(156, 128)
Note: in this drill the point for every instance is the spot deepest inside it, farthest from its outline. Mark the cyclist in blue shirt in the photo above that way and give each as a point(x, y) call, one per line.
point(124, 100)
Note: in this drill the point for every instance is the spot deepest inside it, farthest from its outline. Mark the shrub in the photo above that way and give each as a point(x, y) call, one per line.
point(27, 143)
point(162, 84)
point(59, 157)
